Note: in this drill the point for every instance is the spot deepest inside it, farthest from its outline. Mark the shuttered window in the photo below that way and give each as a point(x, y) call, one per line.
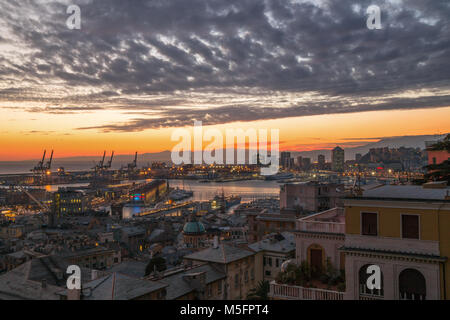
point(410, 227)
point(369, 224)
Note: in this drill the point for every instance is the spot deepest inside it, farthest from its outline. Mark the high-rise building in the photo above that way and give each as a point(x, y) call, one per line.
point(306, 163)
point(358, 157)
point(321, 161)
point(299, 161)
point(337, 159)
point(285, 157)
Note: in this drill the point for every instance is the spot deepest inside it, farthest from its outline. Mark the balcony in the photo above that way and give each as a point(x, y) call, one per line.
point(330, 221)
point(288, 292)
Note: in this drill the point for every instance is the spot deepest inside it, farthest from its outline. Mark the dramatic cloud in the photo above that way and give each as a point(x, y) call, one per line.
point(168, 62)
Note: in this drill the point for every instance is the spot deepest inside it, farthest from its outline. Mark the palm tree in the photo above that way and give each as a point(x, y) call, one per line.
point(261, 292)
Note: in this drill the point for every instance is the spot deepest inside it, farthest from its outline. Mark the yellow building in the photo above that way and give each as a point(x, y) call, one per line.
point(405, 231)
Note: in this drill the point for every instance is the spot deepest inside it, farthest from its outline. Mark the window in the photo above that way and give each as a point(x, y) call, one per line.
point(410, 226)
point(369, 224)
point(264, 261)
point(412, 285)
point(219, 288)
point(246, 276)
point(252, 274)
point(268, 273)
point(270, 261)
point(210, 290)
point(277, 263)
point(236, 281)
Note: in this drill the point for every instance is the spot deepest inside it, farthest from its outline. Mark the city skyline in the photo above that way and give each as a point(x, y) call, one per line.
point(128, 78)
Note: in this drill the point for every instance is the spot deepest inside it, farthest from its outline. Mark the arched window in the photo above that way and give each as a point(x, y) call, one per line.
point(363, 289)
point(412, 285)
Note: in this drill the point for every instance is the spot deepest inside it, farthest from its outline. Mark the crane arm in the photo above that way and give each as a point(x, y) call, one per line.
point(40, 204)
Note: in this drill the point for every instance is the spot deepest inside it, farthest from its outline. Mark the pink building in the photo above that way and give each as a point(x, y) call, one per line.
point(438, 156)
point(318, 238)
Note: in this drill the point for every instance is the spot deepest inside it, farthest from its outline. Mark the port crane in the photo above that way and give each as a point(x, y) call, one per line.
point(42, 205)
point(48, 165)
point(130, 166)
point(99, 165)
point(133, 165)
point(108, 165)
point(39, 168)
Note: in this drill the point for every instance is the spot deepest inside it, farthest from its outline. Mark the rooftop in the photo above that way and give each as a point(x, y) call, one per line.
point(25, 281)
point(179, 287)
point(117, 286)
point(130, 268)
point(222, 254)
point(278, 242)
point(407, 192)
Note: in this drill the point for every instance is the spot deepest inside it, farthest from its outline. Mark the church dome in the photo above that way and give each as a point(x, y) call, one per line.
point(194, 227)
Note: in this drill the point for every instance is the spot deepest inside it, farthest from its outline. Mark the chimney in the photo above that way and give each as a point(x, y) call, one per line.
point(216, 242)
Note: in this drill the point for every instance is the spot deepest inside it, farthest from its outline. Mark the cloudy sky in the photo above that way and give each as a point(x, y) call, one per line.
point(139, 69)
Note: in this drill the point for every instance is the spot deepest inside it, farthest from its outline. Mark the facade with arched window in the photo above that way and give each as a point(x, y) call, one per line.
point(403, 230)
point(318, 238)
point(412, 285)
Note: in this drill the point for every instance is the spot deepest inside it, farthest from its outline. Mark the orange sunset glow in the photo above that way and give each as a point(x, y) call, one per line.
point(296, 134)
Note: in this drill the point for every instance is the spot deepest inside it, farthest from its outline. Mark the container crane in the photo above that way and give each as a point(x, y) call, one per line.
point(108, 165)
point(39, 168)
point(48, 165)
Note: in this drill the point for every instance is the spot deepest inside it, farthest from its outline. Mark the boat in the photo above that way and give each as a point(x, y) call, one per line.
point(280, 176)
point(180, 194)
point(222, 202)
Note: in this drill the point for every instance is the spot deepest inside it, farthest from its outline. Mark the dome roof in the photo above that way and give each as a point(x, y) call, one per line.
point(193, 227)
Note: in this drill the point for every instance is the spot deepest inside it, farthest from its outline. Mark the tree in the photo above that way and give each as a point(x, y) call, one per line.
point(158, 263)
point(441, 145)
point(439, 171)
point(295, 275)
point(261, 292)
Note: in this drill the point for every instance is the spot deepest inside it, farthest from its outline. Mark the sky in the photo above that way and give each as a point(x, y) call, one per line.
point(137, 70)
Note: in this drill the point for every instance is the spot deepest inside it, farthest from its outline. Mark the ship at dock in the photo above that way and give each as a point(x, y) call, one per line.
point(222, 203)
point(280, 176)
point(180, 194)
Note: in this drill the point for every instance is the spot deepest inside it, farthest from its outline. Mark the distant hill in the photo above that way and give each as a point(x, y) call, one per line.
point(87, 162)
point(391, 142)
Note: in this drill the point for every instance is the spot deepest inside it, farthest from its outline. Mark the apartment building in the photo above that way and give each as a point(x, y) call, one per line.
point(310, 196)
point(404, 231)
point(275, 249)
point(203, 282)
point(263, 224)
point(236, 263)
